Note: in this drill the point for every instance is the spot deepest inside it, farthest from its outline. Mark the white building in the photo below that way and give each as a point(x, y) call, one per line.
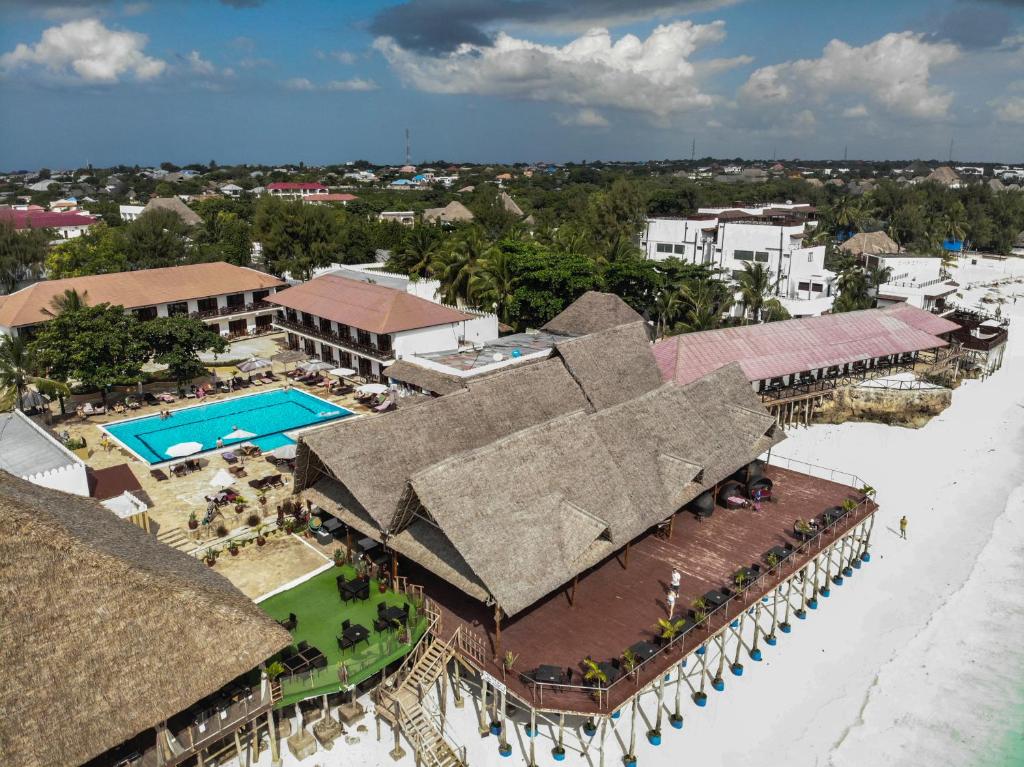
point(404, 217)
point(728, 238)
point(296, 189)
point(130, 212)
point(30, 452)
point(231, 190)
point(65, 226)
point(231, 299)
point(367, 326)
point(914, 280)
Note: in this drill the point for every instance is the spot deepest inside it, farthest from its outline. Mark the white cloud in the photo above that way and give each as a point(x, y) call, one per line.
point(893, 71)
point(299, 84)
point(352, 84)
point(584, 118)
point(1011, 110)
point(87, 50)
point(136, 9)
point(654, 75)
point(199, 65)
point(343, 57)
point(856, 111)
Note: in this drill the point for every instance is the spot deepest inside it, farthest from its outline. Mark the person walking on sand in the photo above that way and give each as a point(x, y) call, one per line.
point(903, 527)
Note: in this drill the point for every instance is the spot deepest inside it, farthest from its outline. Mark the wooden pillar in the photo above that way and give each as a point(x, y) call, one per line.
point(484, 729)
point(632, 727)
point(604, 729)
point(398, 752)
point(789, 599)
point(721, 657)
point(238, 748)
point(661, 702)
point(739, 641)
point(679, 691)
point(394, 570)
point(755, 652)
point(671, 525)
point(504, 720)
point(561, 729)
point(828, 569)
point(275, 747)
point(533, 737)
point(457, 687)
point(497, 631)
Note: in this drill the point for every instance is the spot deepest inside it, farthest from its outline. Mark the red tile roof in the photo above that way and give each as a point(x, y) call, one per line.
point(296, 185)
point(780, 348)
point(144, 287)
point(32, 219)
point(361, 305)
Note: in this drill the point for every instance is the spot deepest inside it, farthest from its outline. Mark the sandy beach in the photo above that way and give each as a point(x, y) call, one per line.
point(917, 658)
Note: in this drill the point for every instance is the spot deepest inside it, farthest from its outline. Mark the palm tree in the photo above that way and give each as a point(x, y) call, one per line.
point(16, 365)
point(667, 307)
point(848, 213)
point(704, 305)
point(418, 251)
point(854, 292)
point(878, 275)
point(492, 284)
point(667, 629)
point(594, 673)
point(68, 301)
point(755, 283)
point(456, 266)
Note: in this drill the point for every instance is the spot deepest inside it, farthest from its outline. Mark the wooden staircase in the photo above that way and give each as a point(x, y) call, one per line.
point(402, 705)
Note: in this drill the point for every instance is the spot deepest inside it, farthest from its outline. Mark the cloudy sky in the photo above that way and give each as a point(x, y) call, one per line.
point(501, 80)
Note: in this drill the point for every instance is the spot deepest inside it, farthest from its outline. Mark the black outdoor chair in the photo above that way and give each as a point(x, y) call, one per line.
point(381, 625)
point(346, 624)
point(381, 607)
point(303, 646)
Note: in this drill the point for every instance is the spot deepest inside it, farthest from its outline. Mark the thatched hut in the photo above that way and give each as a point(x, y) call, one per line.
point(106, 632)
point(591, 313)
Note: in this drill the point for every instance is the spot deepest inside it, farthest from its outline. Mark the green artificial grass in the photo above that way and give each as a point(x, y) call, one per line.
point(320, 612)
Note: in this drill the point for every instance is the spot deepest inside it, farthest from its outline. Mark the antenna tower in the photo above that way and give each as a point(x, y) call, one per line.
point(408, 150)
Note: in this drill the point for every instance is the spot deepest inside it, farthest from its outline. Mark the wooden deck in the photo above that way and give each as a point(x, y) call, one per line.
point(618, 604)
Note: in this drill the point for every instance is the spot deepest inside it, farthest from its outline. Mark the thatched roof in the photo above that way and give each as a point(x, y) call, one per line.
point(572, 489)
point(612, 365)
point(510, 205)
point(454, 211)
point(174, 204)
point(425, 378)
point(374, 457)
point(944, 175)
point(870, 243)
point(105, 630)
point(590, 313)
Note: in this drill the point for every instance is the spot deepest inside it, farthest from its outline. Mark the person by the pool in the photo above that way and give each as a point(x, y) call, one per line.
point(220, 442)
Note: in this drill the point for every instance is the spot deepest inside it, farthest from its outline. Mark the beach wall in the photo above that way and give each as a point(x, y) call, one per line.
point(898, 407)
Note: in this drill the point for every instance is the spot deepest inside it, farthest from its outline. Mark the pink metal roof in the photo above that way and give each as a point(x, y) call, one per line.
point(791, 346)
point(296, 185)
point(34, 219)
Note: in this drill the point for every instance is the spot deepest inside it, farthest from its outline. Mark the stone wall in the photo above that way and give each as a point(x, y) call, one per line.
point(901, 407)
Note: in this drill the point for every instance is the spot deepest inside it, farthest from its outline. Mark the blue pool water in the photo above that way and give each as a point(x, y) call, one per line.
point(267, 415)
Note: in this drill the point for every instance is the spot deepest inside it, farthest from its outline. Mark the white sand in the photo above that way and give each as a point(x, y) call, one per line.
point(918, 658)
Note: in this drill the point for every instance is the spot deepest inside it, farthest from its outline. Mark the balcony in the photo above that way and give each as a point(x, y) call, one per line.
point(343, 342)
point(227, 311)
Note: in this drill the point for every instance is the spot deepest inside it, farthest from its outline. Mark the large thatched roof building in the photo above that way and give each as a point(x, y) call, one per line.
point(567, 460)
point(591, 313)
point(105, 631)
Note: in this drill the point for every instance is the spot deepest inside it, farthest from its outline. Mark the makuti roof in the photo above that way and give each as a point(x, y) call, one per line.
point(144, 287)
point(174, 204)
point(590, 313)
point(359, 304)
point(106, 631)
point(791, 346)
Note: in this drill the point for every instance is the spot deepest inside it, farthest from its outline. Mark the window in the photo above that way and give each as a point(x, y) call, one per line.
point(146, 313)
point(664, 247)
point(810, 257)
point(762, 256)
point(384, 342)
point(236, 300)
point(679, 249)
point(803, 286)
point(259, 295)
point(363, 337)
point(743, 255)
point(207, 304)
point(179, 307)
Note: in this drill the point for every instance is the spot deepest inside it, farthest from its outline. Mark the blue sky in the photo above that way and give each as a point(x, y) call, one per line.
point(504, 80)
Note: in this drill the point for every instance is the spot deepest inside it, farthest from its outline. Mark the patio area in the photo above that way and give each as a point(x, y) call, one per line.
point(319, 613)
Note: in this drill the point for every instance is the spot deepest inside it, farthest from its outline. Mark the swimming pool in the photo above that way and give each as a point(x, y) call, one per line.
point(267, 415)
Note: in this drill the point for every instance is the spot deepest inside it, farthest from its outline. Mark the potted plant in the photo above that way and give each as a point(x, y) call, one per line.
point(802, 529)
point(592, 672)
point(233, 548)
point(240, 504)
point(343, 672)
point(669, 630)
point(221, 531)
point(700, 611)
point(261, 535)
point(629, 661)
point(339, 558)
point(849, 505)
point(211, 557)
point(741, 579)
point(274, 670)
point(508, 662)
point(253, 521)
point(590, 727)
point(193, 521)
point(867, 491)
point(772, 559)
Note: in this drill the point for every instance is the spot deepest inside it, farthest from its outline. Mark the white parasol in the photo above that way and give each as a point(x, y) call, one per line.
point(372, 388)
point(341, 372)
point(183, 448)
point(239, 434)
point(222, 479)
point(285, 452)
point(254, 363)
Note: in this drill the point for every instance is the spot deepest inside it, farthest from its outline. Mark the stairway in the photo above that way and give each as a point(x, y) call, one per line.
point(176, 538)
point(419, 727)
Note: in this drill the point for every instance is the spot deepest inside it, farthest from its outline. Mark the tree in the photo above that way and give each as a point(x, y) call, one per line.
point(296, 238)
point(854, 293)
point(68, 301)
point(22, 254)
point(17, 365)
point(773, 311)
point(493, 282)
point(157, 238)
point(755, 286)
point(704, 303)
point(635, 280)
point(98, 346)
point(419, 249)
point(667, 307)
point(455, 266)
point(546, 282)
point(101, 250)
point(177, 342)
point(877, 276)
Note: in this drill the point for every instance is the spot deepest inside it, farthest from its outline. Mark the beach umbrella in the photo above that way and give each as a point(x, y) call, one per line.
point(222, 478)
point(183, 448)
point(254, 363)
point(341, 372)
point(372, 388)
point(239, 434)
point(288, 356)
point(125, 505)
point(315, 366)
point(285, 452)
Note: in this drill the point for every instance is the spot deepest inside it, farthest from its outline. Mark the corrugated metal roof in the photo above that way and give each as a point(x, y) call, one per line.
point(791, 346)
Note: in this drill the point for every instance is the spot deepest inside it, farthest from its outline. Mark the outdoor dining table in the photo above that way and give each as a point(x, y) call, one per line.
point(367, 544)
point(353, 635)
point(394, 614)
point(350, 590)
point(548, 675)
point(609, 670)
point(715, 599)
point(643, 651)
point(749, 575)
point(779, 552)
